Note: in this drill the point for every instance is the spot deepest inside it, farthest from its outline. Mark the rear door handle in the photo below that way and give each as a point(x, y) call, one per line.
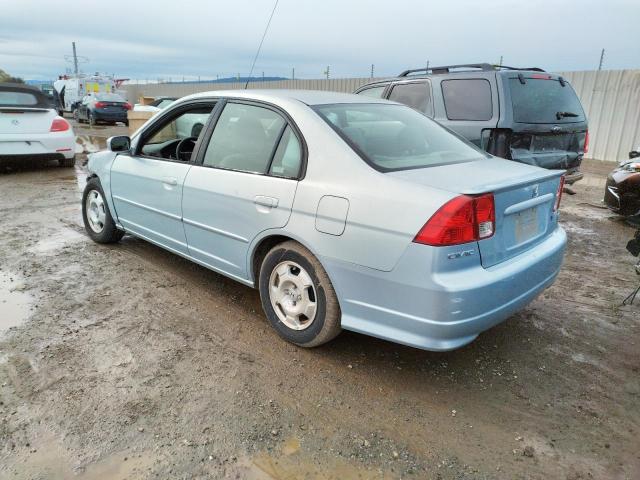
point(264, 201)
point(170, 181)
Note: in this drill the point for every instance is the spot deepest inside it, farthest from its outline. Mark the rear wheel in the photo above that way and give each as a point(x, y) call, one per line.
point(298, 297)
point(98, 222)
point(68, 162)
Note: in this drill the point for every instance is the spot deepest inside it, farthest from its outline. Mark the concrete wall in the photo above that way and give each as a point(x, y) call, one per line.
point(611, 99)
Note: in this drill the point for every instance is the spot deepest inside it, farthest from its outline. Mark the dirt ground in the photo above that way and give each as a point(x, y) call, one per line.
point(126, 361)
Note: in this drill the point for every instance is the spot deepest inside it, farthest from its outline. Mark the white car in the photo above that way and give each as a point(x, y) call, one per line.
point(30, 128)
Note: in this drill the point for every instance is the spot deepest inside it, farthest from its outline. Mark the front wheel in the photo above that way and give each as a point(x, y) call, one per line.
point(98, 222)
point(298, 297)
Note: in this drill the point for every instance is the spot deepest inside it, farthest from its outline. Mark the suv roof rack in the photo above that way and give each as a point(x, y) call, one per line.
point(485, 67)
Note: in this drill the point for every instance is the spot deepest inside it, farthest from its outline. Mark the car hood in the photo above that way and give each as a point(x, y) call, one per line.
point(479, 176)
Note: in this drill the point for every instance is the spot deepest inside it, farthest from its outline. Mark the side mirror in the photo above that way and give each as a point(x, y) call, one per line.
point(634, 154)
point(120, 143)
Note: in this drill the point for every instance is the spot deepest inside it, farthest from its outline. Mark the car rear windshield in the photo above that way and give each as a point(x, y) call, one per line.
point(109, 97)
point(544, 100)
point(396, 137)
point(15, 98)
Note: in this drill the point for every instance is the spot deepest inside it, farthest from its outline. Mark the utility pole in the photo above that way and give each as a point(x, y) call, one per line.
point(75, 59)
point(293, 73)
point(327, 72)
point(601, 59)
point(427, 65)
point(263, 76)
point(372, 69)
point(500, 64)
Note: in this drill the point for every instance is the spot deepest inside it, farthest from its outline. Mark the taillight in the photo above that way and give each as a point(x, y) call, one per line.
point(100, 105)
point(559, 194)
point(586, 142)
point(461, 220)
point(59, 124)
point(127, 106)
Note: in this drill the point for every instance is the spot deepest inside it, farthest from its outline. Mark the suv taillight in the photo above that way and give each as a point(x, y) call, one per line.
point(586, 142)
point(559, 194)
point(59, 124)
point(461, 220)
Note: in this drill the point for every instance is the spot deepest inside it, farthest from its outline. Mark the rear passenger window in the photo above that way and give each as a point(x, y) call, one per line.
point(374, 92)
point(244, 138)
point(416, 95)
point(288, 157)
point(467, 99)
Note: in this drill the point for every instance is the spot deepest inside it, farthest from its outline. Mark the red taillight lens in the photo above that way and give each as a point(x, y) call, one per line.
point(100, 105)
point(59, 124)
point(461, 220)
point(586, 142)
point(127, 106)
point(559, 194)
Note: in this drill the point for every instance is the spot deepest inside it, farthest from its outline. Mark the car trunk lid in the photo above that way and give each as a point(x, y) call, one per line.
point(524, 200)
point(19, 120)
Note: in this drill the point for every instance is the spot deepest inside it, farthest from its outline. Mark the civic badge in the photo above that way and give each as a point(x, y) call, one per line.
point(535, 191)
point(15, 122)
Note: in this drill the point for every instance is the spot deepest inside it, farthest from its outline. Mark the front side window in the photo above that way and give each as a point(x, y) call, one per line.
point(396, 137)
point(244, 138)
point(373, 92)
point(467, 99)
point(415, 95)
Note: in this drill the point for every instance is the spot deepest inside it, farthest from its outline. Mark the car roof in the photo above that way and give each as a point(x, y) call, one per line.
point(466, 73)
point(308, 97)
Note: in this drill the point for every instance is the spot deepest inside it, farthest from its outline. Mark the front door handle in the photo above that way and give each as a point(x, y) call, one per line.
point(170, 181)
point(263, 201)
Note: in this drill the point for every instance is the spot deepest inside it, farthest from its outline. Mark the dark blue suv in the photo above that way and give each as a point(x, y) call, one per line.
point(521, 114)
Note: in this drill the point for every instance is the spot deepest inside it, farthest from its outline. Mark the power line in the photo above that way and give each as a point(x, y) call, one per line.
point(260, 46)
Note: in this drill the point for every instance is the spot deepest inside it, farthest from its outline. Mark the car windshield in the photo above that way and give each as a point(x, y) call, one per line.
point(544, 100)
point(109, 97)
point(8, 97)
point(396, 137)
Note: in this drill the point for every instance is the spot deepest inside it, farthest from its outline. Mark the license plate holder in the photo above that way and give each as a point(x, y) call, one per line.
point(526, 224)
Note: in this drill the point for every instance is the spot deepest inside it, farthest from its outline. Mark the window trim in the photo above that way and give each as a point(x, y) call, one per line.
point(431, 112)
point(206, 138)
point(444, 101)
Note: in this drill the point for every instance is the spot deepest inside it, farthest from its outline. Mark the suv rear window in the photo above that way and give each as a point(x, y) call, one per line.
point(396, 137)
point(415, 94)
point(109, 97)
point(467, 99)
point(543, 100)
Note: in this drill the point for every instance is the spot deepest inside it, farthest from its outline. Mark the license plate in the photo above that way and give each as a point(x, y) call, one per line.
point(526, 224)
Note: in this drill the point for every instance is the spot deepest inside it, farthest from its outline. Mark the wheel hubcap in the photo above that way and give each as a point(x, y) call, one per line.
point(96, 211)
point(292, 295)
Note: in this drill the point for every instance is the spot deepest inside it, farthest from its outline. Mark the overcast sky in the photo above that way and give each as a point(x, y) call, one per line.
point(144, 39)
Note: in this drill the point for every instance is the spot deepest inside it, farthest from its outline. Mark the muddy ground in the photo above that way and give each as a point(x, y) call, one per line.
point(126, 361)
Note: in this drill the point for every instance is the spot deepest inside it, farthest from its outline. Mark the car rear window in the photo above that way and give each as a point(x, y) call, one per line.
point(543, 100)
point(109, 97)
point(396, 137)
point(14, 98)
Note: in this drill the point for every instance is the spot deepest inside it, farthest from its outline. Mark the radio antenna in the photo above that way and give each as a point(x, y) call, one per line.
point(260, 46)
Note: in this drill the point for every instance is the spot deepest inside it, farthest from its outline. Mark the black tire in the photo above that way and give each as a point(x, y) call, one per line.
point(325, 326)
point(109, 232)
point(68, 162)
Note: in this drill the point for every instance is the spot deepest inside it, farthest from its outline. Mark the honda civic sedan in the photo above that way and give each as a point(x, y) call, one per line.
point(345, 212)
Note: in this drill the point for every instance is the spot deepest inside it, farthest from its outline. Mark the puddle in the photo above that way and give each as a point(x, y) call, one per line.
point(57, 241)
point(15, 304)
point(90, 143)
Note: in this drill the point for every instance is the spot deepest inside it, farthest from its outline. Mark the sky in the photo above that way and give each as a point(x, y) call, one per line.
point(145, 39)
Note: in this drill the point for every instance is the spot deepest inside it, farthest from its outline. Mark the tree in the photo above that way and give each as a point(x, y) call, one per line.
point(5, 77)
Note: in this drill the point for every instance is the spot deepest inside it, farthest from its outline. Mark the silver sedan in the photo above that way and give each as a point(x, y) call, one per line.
point(346, 212)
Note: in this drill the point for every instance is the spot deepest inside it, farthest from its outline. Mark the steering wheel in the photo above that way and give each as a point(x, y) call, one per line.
point(185, 156)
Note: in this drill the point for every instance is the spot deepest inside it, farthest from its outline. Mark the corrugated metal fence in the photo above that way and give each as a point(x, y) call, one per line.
point(611, 99)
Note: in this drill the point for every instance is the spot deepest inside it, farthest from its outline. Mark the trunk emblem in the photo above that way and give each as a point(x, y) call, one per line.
point(556, 129)
point(535, 191)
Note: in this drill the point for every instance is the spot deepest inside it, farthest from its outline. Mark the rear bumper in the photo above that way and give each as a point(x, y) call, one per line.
point(573, 176)
point(109, 116)
point(27, 145)
point(442, 311)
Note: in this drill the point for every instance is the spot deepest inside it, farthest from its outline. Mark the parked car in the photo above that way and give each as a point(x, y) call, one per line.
point(622, 191)
point(158, 104)
point(30, 128)
point(521, 114)
point(344, 211)
point(102, 107)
